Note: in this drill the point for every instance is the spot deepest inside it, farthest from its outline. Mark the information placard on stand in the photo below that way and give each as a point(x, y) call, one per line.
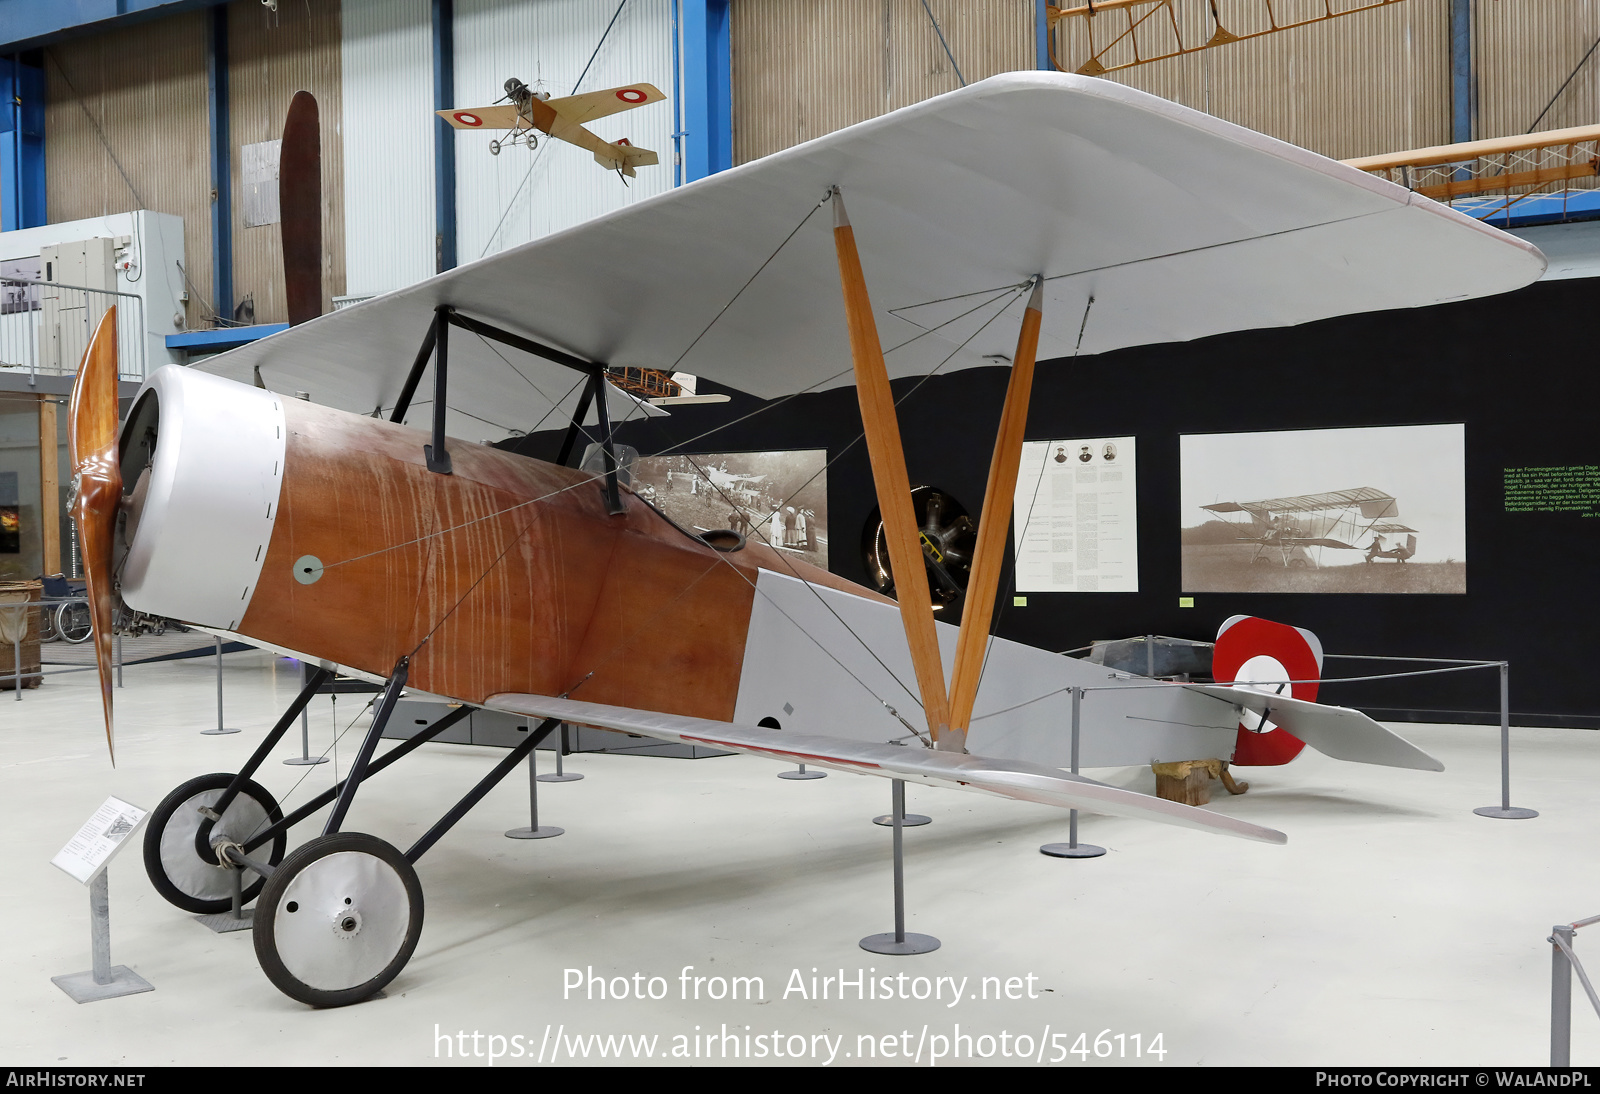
point(85, 858)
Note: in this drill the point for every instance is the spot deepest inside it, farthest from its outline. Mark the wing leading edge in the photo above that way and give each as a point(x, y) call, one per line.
point(1179, 225)
point(1006, 778)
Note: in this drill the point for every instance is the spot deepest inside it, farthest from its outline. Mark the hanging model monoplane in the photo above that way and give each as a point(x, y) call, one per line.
point(322, 530)
point(532, 112)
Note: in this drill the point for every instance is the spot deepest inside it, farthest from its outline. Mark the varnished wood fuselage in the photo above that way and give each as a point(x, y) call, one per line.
point(506, 576)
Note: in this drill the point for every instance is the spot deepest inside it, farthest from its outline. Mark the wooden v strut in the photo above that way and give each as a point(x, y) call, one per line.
point(949, 713)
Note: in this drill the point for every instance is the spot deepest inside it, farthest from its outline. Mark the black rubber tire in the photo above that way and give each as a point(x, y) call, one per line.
point(162, 818)
point(273, 895)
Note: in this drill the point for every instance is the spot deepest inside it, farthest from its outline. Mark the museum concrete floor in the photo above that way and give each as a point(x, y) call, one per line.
point(1394, 928)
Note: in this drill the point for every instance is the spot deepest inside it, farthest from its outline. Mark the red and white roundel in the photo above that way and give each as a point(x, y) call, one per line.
point(1268, 655)
point(632, 95)
point(468, 119)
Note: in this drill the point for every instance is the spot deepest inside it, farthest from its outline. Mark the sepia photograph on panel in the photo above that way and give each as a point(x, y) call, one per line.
point(1378, 509)
point(777, 498)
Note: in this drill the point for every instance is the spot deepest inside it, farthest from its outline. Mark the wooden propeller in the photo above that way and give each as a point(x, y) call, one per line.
point(300, 206)
point(97, 489)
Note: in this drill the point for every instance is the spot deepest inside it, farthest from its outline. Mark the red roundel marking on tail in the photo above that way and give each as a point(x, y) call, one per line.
point(632, 95)
point(1252, 637)
point(467, 119)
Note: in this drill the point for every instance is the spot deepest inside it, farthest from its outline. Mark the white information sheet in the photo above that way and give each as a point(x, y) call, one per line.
point(1076, 524)
point(88, 852)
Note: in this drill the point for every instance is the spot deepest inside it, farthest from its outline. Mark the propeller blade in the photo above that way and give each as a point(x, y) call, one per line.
point(97, 489)
point(300, 208)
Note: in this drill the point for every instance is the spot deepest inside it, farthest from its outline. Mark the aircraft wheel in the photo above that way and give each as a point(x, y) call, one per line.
point(1298, 564)
point(176, 869)
point(338, 920)
point(494, 148)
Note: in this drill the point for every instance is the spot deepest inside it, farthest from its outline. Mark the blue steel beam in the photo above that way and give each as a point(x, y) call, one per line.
point(444, 138)
point(28, 24)
point(1463, 97)
point(1041, 36)
point(221, 163)
point(22, 192)
point(707, 89)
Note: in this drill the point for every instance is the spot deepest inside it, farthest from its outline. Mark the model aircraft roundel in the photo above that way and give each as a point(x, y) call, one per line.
point(467, 119)
point(1266, 655)
point(632, 95)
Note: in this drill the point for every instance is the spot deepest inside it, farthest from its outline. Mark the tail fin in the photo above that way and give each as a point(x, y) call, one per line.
point(1411, 548)
point(624, 157)
point(1267, 656)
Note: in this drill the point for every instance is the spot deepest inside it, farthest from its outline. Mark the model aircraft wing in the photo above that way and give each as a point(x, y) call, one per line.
point(1179, 225)
point(1339, 732)
point(599, 104)
point(1006, 778)
point(503, 116)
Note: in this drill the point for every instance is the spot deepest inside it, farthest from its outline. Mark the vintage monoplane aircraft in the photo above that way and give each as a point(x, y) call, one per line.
point(1282, 528)
point(341, 536)
point(531, 112)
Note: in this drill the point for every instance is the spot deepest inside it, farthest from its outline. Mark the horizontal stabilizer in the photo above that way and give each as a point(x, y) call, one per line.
point(1339, 732)
point(624, 157)
point(1006, 778)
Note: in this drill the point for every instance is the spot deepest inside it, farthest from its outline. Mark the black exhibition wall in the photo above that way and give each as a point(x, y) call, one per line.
point(1517, 370)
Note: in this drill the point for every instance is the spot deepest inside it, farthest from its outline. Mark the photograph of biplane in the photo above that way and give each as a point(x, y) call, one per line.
point(776, 498)
point(1403, 530)
point(405, 555)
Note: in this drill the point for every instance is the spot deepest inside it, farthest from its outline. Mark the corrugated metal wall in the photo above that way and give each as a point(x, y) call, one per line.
point(520, 195)
point(1370, 82)
point(802, 68)
point(271, 55)
point(1525, 52)
point(139, 96)
point(387, 85)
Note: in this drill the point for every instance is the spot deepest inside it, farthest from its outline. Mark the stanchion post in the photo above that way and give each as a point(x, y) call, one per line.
point(561, 776)
point(116, 643)
point(1505, 810)
point(1072, 848)
point(16, 668)
point(899, 942)
point(305, 758)
point(534, 831)
point(220, 728)
point(1560, 998)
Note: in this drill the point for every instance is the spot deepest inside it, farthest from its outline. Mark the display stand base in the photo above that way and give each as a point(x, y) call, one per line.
point(802, 773)
point(565, 777)
point(227, 922)
point(82, 988)
point(1072, 850)
point(911, 943)
point(544, 831)
point(216, 732)
point(303, 761)
point(1506, 812)
point(910, 820)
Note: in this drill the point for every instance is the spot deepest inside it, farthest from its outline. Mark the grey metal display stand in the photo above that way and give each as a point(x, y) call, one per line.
point(1072, 848)
point(534, 829)
point(559, 775)
point(899, 941)
point(305, 756)
point(104, 980)
point(236, 918)
point(220, 728)
point(1505, 810)
point(801, 773)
